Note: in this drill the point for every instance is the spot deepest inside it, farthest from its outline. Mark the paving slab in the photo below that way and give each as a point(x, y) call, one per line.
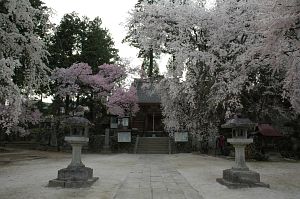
point(155, 178)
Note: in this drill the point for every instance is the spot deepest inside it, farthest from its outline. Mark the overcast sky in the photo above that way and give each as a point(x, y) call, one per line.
point(113, 14)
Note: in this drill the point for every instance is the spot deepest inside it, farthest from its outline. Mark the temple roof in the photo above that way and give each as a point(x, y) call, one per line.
point(146, 90)
point(268, 130)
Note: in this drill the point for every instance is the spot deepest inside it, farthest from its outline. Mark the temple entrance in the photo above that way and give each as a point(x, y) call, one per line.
point(154, 123)
point(148, 121)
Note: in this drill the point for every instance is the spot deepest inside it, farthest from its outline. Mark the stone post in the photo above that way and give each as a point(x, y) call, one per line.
point(106, 147)
point(239, 145)
point(53, 139)
point(240, 162)
point(76, 155)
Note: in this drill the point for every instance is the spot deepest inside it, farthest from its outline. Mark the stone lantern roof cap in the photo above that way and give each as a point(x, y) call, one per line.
point(77, 121)
point(238, 122)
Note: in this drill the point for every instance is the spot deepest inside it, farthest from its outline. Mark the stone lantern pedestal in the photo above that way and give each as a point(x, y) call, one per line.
point(76, 175)
point(239, 145)
point(240, 176)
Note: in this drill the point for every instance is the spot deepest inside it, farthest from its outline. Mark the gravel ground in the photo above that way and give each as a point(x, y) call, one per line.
point(28, 179)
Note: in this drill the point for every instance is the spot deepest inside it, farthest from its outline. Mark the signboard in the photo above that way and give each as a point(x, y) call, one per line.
point(181, 136)
point(123, 122)
point(124, 137)
point(113, 122)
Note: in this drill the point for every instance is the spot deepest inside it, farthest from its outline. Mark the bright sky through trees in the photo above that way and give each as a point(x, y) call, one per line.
point(113, 14)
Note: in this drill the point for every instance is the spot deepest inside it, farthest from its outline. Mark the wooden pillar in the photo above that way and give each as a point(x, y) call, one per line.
point(153, 123)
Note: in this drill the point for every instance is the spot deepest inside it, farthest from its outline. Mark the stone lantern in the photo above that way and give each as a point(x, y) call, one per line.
point(76, 174)
point(240, 176)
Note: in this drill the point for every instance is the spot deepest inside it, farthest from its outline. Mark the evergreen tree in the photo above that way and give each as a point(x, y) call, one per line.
point(43, 24)
point(97, 45)
point(65, 43)
point(150, 69)
point(81, 40)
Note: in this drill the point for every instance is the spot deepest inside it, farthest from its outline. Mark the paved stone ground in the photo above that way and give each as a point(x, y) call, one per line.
point(144, 176)
point(154, 177)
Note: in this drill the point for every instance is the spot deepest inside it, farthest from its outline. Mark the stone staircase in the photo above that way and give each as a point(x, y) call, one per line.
point(153, 145)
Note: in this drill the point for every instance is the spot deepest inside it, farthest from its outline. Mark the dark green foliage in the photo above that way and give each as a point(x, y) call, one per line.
point(36, 3)
point(97, 46)
point(81, 40)
point(42, 25)
point(150, 66)
point(2, 7)
point(264, 102)
point(65, 43)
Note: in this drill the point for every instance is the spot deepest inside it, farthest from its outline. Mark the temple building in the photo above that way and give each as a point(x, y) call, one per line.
point(148, 121)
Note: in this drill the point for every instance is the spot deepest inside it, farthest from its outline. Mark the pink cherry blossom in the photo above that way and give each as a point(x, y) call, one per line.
point(104, 84)
point(123, 102)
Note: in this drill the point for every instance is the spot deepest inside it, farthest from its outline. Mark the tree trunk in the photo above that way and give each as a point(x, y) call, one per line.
point(151, 63)
point(92, 111)
point(67, 103)
point(77, 100)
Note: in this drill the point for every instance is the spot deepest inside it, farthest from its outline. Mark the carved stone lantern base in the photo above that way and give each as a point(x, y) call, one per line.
point(74, 177)
point(235, 178)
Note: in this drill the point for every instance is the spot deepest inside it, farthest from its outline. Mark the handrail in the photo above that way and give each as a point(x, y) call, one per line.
point(136, 144)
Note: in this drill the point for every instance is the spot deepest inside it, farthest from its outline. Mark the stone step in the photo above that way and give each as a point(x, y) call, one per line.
point(157, 139)
point(150, 145)
point(153, 145)
point(153, 152)
point(154, 138)
point(144, 149)
point(156, 149)
point(159, 147)
point(153, 142)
